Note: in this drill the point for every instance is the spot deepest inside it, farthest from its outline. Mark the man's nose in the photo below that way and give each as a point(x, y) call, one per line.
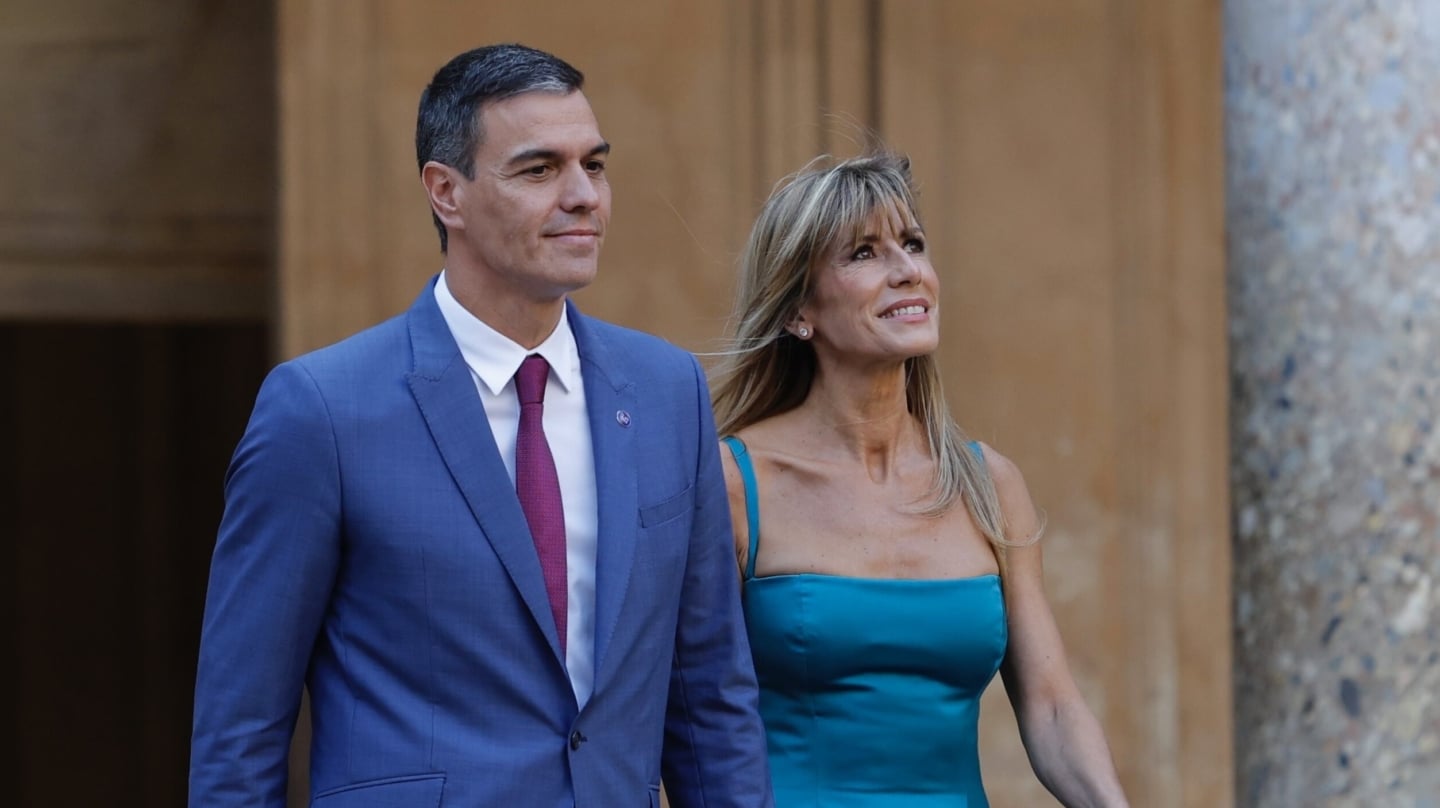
point(578, 191)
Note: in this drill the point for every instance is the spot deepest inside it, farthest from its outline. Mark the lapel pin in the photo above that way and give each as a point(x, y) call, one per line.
point(622, 418)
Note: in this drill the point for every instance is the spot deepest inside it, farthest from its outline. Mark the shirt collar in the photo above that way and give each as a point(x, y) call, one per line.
point(495, 357)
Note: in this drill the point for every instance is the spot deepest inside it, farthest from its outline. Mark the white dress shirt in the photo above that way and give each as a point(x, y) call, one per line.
point(493, 359)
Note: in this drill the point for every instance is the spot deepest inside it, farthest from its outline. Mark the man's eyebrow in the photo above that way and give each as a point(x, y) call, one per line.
point(550, 155)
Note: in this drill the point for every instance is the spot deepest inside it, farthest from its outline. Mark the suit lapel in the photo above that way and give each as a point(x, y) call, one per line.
point(611, 402)
point(445, 393)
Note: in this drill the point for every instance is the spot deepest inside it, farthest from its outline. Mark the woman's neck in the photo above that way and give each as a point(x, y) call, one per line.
point(863, 415)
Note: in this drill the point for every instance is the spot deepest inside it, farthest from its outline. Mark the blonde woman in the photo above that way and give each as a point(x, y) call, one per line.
point(890, 566)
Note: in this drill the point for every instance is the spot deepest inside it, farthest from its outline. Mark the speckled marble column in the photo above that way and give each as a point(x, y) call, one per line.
point(1333, 149)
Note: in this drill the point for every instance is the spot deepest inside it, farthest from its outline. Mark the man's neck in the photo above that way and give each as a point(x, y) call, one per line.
point(525, 321)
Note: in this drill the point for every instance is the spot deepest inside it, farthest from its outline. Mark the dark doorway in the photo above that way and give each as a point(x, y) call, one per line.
point(113, 446)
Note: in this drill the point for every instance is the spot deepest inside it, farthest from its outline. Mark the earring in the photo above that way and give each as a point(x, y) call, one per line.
point(804, 332)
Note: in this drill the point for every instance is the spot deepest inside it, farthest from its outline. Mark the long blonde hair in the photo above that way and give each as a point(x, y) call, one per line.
point(766, 371)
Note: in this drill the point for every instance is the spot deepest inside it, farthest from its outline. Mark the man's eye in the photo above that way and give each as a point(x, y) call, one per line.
point(595, 166)
point(538, 171)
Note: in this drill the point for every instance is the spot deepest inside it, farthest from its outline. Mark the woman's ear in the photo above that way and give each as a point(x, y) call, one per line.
point(800, 327)
point(444, 192)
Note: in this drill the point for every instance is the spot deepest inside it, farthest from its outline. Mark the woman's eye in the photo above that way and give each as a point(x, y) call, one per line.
point(864, 252)
point(915, 245)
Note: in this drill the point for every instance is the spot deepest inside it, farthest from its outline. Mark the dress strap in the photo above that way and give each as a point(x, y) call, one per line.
point(752, 498)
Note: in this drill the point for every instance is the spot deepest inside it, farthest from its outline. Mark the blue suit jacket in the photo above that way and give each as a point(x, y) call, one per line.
point(373, 548)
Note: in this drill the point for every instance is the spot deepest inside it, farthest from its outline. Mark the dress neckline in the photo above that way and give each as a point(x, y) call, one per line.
point(988, 576)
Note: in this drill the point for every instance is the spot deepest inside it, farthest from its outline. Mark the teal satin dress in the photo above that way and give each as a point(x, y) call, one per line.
point(870, 687)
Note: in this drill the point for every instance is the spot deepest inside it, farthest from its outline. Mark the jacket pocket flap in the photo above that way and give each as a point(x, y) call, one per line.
point(413, 791)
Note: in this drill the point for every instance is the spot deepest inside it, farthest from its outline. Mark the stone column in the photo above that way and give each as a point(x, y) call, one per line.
point(1333, 195)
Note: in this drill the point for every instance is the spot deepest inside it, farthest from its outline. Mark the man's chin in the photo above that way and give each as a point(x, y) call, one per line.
point(574, 279)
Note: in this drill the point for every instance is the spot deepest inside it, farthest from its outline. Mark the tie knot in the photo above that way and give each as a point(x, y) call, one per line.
point(530, 379)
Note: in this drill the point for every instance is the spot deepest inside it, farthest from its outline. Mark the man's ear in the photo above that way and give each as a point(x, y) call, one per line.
point(443, 188)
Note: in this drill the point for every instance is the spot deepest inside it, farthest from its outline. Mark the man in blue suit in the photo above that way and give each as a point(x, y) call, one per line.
point(491, 535)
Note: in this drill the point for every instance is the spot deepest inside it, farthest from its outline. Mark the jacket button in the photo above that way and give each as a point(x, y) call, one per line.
point(577, 738)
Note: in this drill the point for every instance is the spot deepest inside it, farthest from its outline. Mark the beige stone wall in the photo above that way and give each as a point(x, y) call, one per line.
point(138, 173)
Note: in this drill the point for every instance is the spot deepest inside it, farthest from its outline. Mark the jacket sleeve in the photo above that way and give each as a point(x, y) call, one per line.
point(271, 576)
point(714, 744)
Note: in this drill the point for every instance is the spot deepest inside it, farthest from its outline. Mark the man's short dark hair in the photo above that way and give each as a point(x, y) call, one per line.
point(447, 128)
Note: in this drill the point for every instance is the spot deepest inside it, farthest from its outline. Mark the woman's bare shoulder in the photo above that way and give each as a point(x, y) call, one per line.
point(1014, 495)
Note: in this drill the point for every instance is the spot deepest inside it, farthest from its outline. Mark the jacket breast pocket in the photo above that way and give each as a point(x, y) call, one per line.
point(414, 791)
point(671, 508)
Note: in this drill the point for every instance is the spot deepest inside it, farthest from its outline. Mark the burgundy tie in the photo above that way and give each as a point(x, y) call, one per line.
point(539, 486)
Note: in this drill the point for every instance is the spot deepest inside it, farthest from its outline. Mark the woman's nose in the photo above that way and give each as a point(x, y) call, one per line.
point(905, 269)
